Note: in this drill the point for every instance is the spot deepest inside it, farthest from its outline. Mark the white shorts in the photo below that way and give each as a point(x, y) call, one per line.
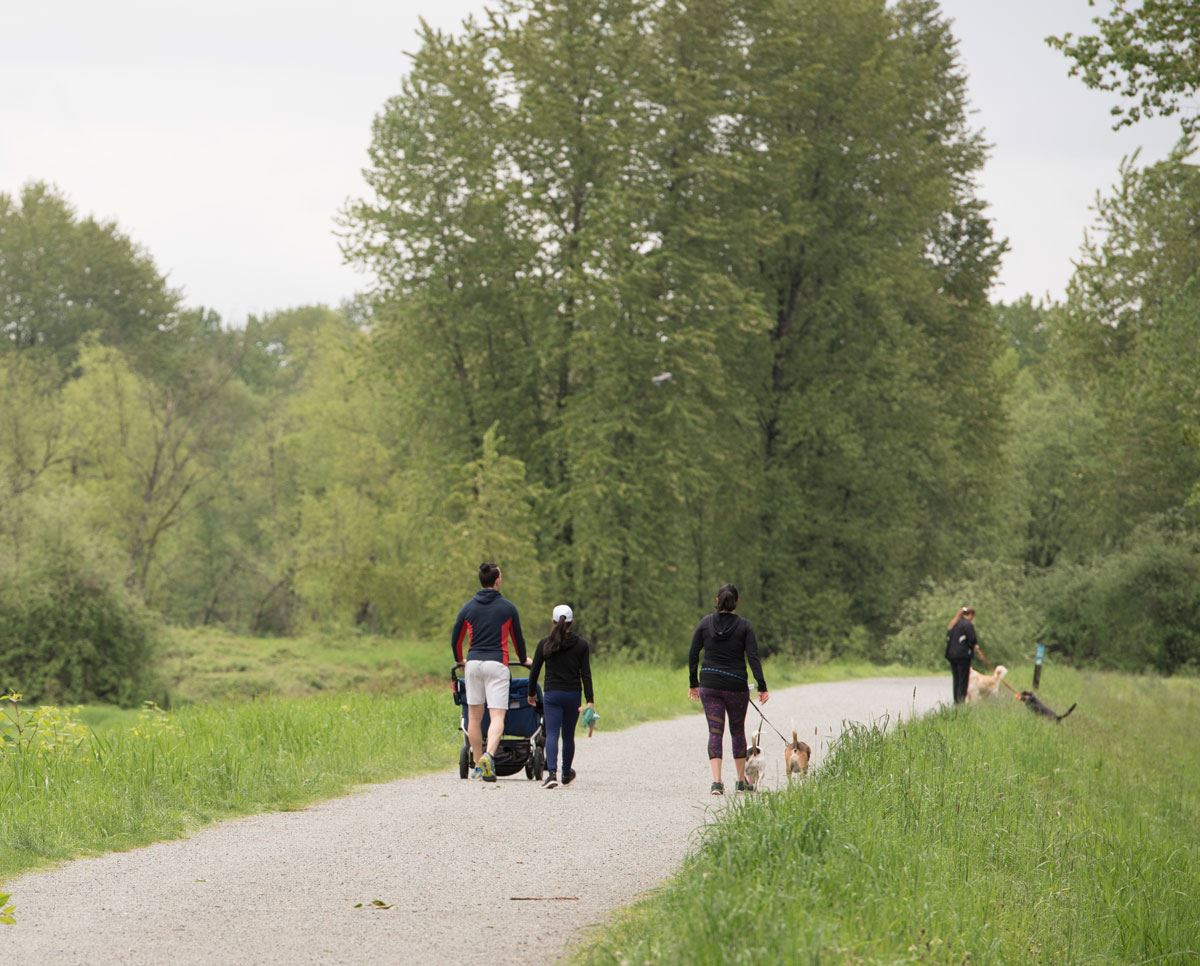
point(487, 680)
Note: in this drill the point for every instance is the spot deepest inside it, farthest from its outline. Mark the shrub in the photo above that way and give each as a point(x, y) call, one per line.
point(1135, 609)
point(70, 636)
point(1009, 616)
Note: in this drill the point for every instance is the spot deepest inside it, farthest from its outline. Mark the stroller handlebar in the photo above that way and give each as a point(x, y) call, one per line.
point(457, 669)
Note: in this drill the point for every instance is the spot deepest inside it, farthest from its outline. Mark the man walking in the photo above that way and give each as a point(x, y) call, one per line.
point(490, 625)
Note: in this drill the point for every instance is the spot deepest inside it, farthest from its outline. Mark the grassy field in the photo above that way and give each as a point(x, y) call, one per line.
point(204, 664)
point(207, 664)
point(981, 834)
point(130, 778)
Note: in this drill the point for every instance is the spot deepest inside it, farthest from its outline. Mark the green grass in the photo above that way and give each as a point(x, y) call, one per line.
point(208, 664)
point(133, 782)
point(984, 834)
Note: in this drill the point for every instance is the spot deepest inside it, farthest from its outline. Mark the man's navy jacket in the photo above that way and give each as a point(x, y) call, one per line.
point(490, 624)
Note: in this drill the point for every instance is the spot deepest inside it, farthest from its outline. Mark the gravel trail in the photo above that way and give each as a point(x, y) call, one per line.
point(450, 856)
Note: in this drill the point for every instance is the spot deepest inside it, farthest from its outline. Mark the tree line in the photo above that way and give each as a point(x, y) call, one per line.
point(666, 295)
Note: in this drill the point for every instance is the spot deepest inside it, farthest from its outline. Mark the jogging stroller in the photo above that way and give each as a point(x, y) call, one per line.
point(524, 741)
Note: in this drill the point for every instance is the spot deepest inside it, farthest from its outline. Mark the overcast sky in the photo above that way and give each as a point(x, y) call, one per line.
point(225, 136)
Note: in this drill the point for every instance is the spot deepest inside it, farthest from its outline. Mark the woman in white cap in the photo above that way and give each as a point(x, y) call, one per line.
point(566, 656)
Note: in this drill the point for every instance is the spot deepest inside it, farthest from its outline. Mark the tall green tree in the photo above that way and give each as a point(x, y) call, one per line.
point(63, 277)
point(719, 273)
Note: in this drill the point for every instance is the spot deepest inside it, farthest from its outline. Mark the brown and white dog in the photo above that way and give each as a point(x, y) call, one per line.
point(981, 686)
point(795, 757)
point(755, 760)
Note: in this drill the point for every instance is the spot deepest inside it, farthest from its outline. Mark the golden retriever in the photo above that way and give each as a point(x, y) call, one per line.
point(980, 686)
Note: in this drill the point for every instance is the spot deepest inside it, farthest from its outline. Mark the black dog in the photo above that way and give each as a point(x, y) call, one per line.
point(1031, 701)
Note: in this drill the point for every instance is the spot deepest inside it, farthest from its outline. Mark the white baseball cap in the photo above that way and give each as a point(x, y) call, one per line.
point(563, 611)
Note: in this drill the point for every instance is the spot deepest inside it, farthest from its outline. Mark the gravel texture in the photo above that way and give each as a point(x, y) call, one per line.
point(450, 856)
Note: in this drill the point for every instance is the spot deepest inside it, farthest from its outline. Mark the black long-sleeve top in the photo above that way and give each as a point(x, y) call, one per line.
point(728, 642)
point(961, 641)
point(566, 668)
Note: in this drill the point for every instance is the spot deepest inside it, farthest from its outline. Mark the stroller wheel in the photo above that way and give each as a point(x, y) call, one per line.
point(538, 764)
point(529, 771)
point(464, 761)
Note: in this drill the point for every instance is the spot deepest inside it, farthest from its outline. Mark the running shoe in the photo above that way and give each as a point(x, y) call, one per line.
point(476, 773)
point(744, 787)
point(718, 788)
point(550, 781)
point(568, 776)
point(487, 768)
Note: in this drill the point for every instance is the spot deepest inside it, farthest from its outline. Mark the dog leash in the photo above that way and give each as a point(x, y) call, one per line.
point(768, 723)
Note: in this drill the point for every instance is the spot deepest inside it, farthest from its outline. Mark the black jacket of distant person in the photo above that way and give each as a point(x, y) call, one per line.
point(728, 642)
point(566, 668)
point(961, 641)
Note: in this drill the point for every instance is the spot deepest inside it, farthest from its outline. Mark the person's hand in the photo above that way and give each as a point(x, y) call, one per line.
point(590, 704)
point(694, 694)
point(533, 700)
point(764, 697)
point(528, 662)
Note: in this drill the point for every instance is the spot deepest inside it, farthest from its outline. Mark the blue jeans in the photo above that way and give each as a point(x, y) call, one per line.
point(561, 709)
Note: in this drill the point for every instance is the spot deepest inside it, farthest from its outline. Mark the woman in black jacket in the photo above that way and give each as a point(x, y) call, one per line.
point(961, 646)
point(566, 656)
point(721, 686)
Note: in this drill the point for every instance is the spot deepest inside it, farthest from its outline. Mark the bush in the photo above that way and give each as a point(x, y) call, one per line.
point(69, 636)
point(1009, 617)
point(1136, 609)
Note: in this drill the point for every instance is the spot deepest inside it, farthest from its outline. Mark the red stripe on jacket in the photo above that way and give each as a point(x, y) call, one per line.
point(506, 633)
point(466, 632)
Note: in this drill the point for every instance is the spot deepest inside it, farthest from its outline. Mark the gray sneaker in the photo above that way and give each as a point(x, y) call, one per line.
point(550, 781)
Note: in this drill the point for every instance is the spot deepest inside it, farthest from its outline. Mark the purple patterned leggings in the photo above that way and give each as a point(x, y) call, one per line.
point(718, 704)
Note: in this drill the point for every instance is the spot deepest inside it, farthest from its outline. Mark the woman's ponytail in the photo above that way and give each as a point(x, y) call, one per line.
point(558, 634)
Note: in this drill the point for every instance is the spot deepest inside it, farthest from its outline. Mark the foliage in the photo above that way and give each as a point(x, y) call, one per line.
point(1009, 618)
point(46, 730)
point(984, 834)
point(1143, 49)
point(69, 633)
point(1137, 608)
point(62, 277)
point(718, 276)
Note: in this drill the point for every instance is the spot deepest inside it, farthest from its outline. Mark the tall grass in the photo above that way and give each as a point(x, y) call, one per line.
point(982, 833)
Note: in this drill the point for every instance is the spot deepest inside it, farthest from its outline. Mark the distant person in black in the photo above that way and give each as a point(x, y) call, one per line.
point(728, 642)
point(961, 646)
point(567, 659)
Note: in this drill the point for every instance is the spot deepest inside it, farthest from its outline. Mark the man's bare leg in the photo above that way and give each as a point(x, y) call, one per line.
point(495, 728)
point(475, 730)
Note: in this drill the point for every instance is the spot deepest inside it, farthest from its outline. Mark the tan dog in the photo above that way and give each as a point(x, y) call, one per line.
point(980, 686)
point(755, 760)
point(795, 757)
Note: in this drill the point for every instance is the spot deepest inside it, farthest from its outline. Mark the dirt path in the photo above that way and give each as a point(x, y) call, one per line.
point(449, 855)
